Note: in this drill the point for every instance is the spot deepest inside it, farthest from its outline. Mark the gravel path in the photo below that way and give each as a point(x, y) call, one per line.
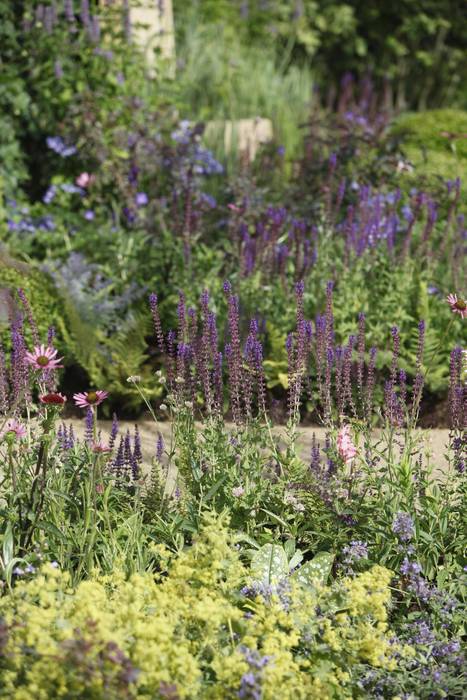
point(434, 441)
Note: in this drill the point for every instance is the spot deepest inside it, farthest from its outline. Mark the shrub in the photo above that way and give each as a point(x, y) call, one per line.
point(188, 632)
point(435, 142)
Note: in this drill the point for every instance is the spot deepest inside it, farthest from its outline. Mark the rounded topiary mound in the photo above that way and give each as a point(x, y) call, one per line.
point(435, 140)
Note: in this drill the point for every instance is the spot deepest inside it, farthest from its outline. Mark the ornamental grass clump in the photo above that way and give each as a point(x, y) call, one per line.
point(188, 630)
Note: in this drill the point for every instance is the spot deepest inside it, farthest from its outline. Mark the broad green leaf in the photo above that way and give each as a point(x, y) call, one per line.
point(269, 564)
point(52, 530)
point(315, 571)
point(8, 545)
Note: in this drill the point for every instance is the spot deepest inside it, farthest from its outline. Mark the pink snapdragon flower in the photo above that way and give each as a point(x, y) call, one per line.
point(43, 358)
point(345, 445)
point(458, 305)
point(100, 448)
point(15, 428)
point(90, 398)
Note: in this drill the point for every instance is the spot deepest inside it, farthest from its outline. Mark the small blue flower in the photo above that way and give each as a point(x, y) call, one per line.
point(89, 215)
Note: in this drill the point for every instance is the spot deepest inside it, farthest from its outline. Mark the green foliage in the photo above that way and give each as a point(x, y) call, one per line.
point(107, 632)
point(214, 82)
point(419, 47)
point(46, 304)
point(435, 142)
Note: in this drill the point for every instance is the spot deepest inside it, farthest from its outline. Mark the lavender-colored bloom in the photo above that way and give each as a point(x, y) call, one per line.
point(19, 366)
point(356, 551)
point(70, 443)
point(416, 584)
point(127, 452)
point(3, 383)
point(89, 215)
point(159, 447)
point(153, 304)
point(113, 431)
point(403, 526)
point(141, 199)
point(30, 316)
point(94, 29)
point(69, 188)
point(118, 464)
point(56, 143)
point(85, 15)
point(137, 452)
point(89, 426)
point(49, 195)
point(69, 10)
point(58, 70)
point(422, 633)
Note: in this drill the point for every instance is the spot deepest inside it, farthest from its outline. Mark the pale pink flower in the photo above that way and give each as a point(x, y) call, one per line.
point(84, 180)
point(100, 448)
point(458, 306)
point(44, 357)
point(238, 491)
point(90, 398)
point(12, 426)
point(345, 445)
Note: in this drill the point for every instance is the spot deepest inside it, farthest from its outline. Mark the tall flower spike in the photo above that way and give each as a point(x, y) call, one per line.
point(159, 447)
point(30, 316)
point(137, 452)
point(89, 426)
point(153, 304)
point(113, 431)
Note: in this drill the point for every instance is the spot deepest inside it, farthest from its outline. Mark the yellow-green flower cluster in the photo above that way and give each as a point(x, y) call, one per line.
point(183, 632)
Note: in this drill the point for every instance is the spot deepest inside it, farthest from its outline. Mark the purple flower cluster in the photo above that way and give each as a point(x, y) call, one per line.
point(250, 683)
point(415, 581)
point(127, 462)
point(403, 526)
point(356, 551)
point(195, 363)
point(56, 144)
point(66, 437)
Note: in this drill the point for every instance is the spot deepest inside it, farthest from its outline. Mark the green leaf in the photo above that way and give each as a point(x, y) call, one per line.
point(52, 529)
point(8, 571)
point(315, 571)
point(8, 545)
point(269, 564)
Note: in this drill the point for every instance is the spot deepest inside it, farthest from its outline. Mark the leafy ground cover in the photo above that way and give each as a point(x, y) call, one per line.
point(143, 269)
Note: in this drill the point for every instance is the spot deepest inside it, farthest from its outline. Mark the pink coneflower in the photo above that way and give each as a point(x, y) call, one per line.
point(458, 306)
point(12, 427)
point(53, 399)
point(44, 358)
point(90, 398)
point(345, 445)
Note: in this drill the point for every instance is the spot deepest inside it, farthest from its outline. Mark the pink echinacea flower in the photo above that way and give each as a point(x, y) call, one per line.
point(90, 398)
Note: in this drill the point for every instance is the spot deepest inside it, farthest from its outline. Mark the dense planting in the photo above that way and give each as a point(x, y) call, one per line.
point(146, 270)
